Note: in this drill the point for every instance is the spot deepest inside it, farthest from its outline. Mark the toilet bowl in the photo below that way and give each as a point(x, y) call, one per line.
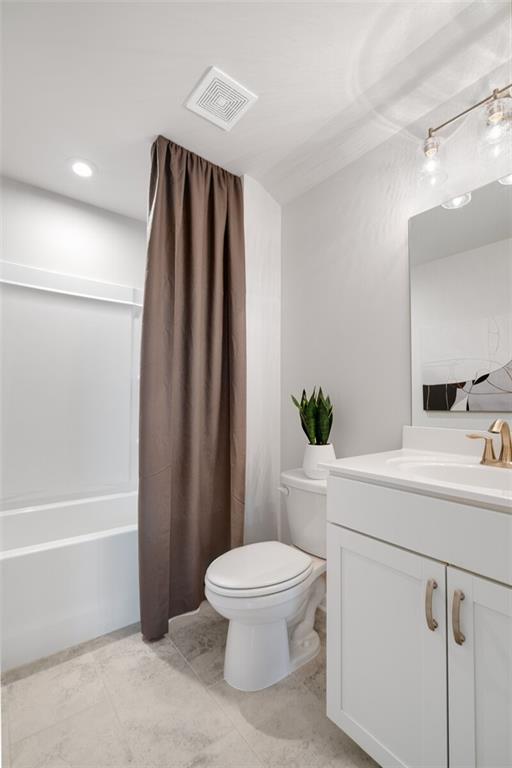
point(270, 591)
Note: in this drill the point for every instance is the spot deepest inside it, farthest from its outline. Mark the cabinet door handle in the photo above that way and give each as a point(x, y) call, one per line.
point(458, 597)
point(431, 622)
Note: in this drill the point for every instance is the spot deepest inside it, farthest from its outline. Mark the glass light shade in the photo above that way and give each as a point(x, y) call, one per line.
point(495, 132)
point(432, 174)
point(506, 180)
point(457, 202)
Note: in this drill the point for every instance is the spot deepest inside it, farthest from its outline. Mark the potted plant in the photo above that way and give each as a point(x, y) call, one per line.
point(316, 414)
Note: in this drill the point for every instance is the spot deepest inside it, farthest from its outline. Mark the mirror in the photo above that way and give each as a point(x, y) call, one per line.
point(461, 305)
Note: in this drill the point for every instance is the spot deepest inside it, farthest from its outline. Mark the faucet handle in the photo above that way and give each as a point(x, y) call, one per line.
point(488, 456)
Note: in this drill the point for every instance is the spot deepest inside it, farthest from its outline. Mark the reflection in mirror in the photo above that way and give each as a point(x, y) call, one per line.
point(461, 303)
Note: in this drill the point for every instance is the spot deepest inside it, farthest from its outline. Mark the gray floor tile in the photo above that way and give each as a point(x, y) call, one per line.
point(321, 622)
point(46, 697)
point(248, 710)
point(202, 641)
point(168, 715)
point(90, 739)
point(118, 702)
point(230, 752)
point(300, 736)
point(312, 675)
point(6, 743)
point(56, 659)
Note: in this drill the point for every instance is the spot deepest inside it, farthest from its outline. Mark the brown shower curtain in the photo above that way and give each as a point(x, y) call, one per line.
point(192, 393)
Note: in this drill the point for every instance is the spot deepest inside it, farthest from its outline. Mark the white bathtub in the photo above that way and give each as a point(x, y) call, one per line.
point(69, 572)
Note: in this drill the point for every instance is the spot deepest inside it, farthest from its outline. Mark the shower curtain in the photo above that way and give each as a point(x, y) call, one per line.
point(193, 382)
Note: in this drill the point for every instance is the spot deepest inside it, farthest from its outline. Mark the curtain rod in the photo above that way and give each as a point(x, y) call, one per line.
point(494, 95)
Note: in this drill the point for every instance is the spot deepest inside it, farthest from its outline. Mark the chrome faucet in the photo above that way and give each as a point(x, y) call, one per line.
point(502, 428)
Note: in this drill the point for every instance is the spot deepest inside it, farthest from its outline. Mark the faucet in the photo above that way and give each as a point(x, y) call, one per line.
point(498, 427)
point(501, 427)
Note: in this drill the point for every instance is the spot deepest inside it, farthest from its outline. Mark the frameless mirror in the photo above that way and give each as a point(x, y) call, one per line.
point(461, 304)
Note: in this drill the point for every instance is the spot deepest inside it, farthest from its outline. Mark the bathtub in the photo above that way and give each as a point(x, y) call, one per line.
point(69, 573)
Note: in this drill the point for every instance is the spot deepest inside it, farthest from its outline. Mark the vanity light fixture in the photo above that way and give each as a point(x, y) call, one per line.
point(457, 202)
point(506, 180)
point(498, 119)
point(82, 168)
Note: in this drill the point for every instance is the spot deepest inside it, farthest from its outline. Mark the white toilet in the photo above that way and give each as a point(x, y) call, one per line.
point(270, 592)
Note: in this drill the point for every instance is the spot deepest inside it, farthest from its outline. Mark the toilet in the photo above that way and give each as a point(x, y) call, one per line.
point(270, 591)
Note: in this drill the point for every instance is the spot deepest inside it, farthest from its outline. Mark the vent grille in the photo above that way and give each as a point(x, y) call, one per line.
point(220, 99)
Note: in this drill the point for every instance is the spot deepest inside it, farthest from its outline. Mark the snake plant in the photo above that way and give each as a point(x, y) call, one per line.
point(316, 414)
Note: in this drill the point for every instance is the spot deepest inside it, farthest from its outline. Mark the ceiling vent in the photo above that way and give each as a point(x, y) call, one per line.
point(220, 99)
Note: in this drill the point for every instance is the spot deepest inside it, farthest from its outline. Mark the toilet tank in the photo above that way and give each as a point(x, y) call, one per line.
point(306, 511)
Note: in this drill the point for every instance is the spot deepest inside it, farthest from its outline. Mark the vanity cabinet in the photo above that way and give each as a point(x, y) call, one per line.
point(419, 667)
point(480, 673)
point(386, 671)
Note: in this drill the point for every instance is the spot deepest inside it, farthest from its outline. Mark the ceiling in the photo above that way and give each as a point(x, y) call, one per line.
point(99, 81)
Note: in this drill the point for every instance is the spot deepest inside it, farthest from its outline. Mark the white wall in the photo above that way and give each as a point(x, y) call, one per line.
point(48, 231)
point(70, 364)
point(263, 309)
point(345, 313)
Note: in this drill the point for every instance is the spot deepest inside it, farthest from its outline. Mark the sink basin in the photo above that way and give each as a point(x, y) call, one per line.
point(477, 476)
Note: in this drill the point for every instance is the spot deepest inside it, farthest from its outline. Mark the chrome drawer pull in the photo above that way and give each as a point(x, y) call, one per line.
point(431, 622)
point(458, 597)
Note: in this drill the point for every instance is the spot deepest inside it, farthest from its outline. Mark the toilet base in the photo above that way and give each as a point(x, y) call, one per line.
point(269, 655)
point(258, 655)
point(304, 651)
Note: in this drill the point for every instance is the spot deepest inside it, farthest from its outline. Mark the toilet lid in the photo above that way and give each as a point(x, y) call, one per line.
point(264, 564)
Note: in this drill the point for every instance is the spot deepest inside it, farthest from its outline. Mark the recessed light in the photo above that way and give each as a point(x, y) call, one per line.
point(506, 180)
point(82, 168)
point(457, 202)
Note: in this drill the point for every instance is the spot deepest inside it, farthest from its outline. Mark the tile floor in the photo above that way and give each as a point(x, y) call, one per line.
point(118, 702)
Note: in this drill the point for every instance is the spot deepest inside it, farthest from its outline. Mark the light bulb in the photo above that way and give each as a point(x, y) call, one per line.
point(82, 168)
point(457, 202)
point(431, 165)
point(494, 132)
point(506, 180)
point(432, 174)
point(495, 111)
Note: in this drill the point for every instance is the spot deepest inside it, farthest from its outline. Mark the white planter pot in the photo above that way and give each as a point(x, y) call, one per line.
point(315, 455)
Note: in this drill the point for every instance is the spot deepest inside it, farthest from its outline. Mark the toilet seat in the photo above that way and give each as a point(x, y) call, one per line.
point(258, 569)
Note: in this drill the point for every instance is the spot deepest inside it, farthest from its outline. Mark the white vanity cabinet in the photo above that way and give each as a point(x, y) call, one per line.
point(480, 673)
point(419, 664)
point(386, 671)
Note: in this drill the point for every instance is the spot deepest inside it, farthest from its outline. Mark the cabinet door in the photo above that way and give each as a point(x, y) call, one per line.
point(479, 672)
point(386, 669)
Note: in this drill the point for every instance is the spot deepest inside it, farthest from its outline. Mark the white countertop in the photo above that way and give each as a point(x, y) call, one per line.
point(453, 476)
